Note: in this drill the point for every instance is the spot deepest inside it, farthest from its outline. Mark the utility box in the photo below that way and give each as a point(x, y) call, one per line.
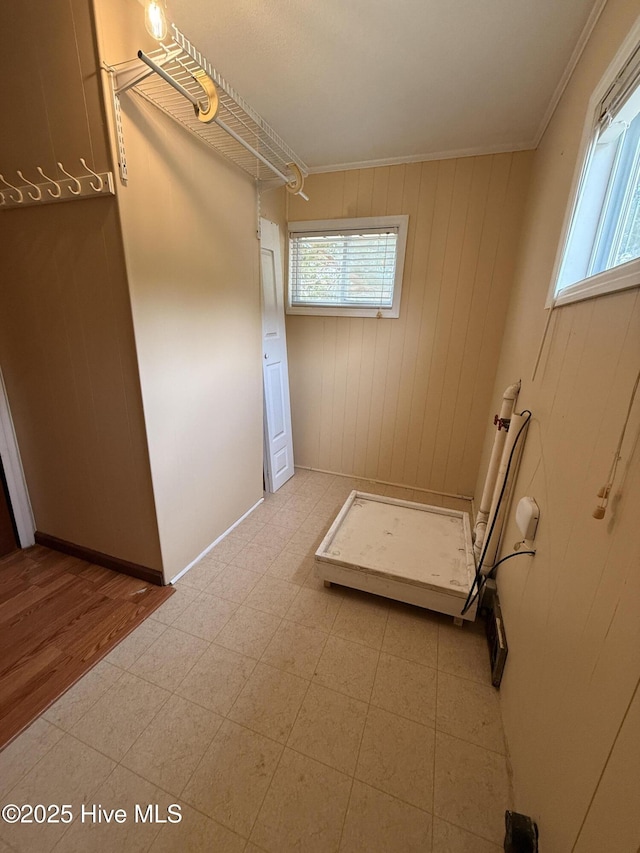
point(521, 835)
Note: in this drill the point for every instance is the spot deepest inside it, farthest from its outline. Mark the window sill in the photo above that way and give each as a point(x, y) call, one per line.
point(339, 311)
point(610, 281)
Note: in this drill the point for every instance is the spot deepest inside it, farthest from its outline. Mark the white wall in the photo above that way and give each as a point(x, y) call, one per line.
point(189, 227)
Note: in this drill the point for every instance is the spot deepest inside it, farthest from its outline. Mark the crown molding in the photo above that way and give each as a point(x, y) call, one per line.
point(421, 158)
point(578, 50)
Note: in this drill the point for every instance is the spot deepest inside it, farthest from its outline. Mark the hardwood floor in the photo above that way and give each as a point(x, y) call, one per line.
point(58, 617)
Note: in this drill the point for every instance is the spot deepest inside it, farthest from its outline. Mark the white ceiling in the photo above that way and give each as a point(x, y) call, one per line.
point(355, 81)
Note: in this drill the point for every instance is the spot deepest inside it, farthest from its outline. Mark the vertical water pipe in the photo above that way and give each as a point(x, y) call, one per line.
point(502, 422)
point(491, 547)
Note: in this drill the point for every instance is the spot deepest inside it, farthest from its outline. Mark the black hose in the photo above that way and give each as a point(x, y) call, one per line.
point(476, 581)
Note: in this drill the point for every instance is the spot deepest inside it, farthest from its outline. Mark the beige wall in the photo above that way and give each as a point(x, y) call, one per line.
point(405, 401)
point(66, 336)
point(273, 206)
point(613, 813)
point(572, 612)
point(189, 225)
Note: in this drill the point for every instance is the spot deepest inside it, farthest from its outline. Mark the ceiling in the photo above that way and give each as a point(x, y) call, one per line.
point(348, 82)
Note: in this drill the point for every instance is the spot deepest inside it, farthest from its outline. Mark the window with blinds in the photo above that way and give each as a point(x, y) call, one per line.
point(348, 267)
point(602, 248)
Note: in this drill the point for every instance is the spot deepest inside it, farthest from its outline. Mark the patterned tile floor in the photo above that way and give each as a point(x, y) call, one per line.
point(281, 716)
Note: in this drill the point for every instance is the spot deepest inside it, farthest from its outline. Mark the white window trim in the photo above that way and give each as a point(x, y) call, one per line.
point(626, 275)
point(401, 222)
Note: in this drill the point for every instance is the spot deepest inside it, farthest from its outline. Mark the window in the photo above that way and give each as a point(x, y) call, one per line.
point(347, 267)
point(602, 249)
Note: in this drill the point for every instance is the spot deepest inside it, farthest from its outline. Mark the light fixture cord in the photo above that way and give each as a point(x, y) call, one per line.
point(599, 511)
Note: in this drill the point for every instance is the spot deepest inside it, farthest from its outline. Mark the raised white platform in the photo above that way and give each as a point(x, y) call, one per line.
point(410, 552)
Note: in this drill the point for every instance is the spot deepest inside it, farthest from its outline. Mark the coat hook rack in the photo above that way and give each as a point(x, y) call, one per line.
point(68, 188)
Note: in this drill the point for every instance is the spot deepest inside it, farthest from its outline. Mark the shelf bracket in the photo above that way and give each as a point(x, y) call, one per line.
point(122, 79)
point(122, 154)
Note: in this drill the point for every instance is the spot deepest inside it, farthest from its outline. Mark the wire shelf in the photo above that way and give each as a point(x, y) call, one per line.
point(179, 59)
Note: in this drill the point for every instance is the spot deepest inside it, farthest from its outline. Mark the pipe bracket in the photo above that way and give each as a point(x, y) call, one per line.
point(502, 423)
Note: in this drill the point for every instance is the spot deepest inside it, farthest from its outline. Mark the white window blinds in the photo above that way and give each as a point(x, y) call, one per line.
point(624, 87)
point(347, 267)
point(350, 268)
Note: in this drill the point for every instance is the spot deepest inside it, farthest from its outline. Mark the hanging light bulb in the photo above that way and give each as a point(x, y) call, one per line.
point(155, 19)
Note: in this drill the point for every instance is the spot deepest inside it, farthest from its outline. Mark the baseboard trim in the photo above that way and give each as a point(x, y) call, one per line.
point(387, 483)
point(153, 576)
point(182, 572)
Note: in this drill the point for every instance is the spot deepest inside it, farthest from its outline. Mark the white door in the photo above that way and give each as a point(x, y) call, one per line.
point(277, 409)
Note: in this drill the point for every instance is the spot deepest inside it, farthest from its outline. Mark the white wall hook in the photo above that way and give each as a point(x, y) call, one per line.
point(38, 195)
point(20, 198)
point(78, 189)
point(96, 175)
point(51, 181)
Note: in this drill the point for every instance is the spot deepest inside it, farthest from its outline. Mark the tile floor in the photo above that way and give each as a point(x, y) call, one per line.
point(280, 715)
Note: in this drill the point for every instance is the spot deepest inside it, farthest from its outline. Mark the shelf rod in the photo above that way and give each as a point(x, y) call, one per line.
point(185, 93)
point(170, 80)
point(251, 149)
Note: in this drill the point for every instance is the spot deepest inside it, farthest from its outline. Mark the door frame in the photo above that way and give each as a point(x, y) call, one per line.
point(14, 473)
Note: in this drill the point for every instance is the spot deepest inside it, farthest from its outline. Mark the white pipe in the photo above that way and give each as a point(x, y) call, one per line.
point(506, 410)
point(517, 422)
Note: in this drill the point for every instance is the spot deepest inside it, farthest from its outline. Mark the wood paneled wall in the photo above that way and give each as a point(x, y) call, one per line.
point(570, 691)
point(405, 401)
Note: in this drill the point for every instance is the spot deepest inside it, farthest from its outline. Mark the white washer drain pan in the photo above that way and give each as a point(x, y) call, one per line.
point(407, 551)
